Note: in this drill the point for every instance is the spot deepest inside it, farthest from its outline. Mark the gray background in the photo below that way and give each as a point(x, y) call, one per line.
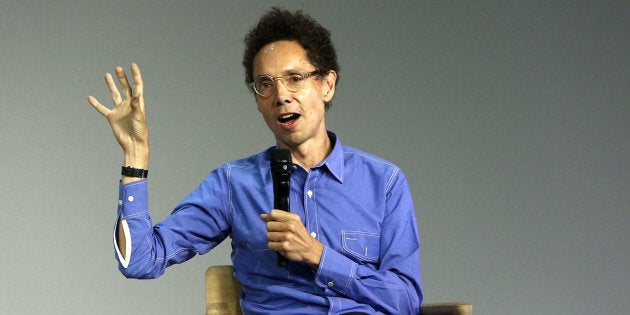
point(511, 120)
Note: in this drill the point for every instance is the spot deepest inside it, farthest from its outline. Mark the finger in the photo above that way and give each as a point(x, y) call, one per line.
point(137, 105)
point(281, 215)
point(137, 78)
point(278, 243)
point(277, 247)
point(276, 237)
point(275, 226)
point(124, 83)
point(98, 106)
point(113, 90)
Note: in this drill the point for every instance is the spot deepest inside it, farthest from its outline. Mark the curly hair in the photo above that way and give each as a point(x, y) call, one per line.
point(280, 24)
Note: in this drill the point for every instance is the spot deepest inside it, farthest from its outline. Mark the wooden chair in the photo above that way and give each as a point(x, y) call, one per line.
point(223, 291)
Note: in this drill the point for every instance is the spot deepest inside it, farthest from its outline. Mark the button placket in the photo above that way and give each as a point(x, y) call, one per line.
point(309, 202)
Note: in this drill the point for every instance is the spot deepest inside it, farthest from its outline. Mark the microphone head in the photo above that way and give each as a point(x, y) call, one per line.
point(281, 156)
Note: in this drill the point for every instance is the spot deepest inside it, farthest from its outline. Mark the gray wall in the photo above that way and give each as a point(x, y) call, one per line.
point(511, 120)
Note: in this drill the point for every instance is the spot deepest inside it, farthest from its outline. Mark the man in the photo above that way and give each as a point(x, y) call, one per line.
point(350, 237)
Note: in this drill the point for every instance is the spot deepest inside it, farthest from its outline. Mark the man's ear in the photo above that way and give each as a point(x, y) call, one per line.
point(328, 87)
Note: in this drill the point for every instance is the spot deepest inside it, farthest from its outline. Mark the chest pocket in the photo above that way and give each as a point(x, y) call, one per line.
point(362, 245)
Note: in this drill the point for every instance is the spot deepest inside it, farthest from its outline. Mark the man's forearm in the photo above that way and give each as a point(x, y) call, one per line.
point(121, 240)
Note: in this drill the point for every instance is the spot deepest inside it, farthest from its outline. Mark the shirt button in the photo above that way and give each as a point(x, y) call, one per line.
point(331, 284)
point(120, 202)
point(313, 234)
point(130, 198)
point(310, 193)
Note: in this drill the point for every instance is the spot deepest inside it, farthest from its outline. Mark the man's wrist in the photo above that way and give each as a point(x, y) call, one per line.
point(318, 251)
point(137, 158)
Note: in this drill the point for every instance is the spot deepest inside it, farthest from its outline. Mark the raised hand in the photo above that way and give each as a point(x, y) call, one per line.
point(127, 119)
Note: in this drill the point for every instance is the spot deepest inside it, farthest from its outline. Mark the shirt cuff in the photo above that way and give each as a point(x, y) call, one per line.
point(132, 199)
point(335, 271)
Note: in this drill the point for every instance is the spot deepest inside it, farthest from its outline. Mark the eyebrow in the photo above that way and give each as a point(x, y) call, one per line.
point(285, 72)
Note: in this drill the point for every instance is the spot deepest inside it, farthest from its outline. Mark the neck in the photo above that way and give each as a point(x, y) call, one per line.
point(312, 152)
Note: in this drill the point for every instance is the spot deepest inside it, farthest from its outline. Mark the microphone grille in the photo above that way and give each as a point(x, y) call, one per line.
point(281, 155)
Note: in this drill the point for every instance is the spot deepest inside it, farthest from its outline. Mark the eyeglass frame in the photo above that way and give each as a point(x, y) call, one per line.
point(306, 76)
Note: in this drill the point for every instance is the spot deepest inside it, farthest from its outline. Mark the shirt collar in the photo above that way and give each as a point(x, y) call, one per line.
point(334, 161)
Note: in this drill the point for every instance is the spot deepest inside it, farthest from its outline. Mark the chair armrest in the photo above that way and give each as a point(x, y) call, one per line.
point(450, 308)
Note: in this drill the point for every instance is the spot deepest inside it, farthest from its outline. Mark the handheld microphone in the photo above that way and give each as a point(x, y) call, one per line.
point(281, 168)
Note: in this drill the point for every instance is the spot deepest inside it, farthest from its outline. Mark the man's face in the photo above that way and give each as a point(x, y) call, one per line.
point(297, 117)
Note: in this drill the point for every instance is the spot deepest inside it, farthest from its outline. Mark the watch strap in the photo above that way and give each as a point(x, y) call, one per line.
point(134, 172)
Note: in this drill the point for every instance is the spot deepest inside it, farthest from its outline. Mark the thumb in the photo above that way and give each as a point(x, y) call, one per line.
point(264, 217)
point(98, 106)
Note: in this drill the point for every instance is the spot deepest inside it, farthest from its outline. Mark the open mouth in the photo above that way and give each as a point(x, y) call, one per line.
point(286, 118)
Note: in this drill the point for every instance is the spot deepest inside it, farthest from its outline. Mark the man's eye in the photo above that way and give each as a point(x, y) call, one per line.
point(295, 78)
point(265, 83)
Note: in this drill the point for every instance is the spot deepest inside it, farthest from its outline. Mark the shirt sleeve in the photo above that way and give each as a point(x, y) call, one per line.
point(132, 205)
point(198, 224)
point(133, 212)
point(392, 286)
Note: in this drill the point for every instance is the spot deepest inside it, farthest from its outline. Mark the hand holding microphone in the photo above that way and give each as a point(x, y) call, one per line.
point(286, 234)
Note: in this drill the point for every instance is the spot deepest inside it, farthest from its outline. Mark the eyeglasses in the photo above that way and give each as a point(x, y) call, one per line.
point(265, 85)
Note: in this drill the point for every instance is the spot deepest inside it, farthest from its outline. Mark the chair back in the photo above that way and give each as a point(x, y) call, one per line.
point(446, 309)
point(223, 293)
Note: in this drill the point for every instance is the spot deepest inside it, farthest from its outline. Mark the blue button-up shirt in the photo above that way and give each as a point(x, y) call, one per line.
point(356, 204)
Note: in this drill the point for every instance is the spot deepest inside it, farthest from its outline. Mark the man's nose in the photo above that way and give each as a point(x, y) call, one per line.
point(283, 95)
